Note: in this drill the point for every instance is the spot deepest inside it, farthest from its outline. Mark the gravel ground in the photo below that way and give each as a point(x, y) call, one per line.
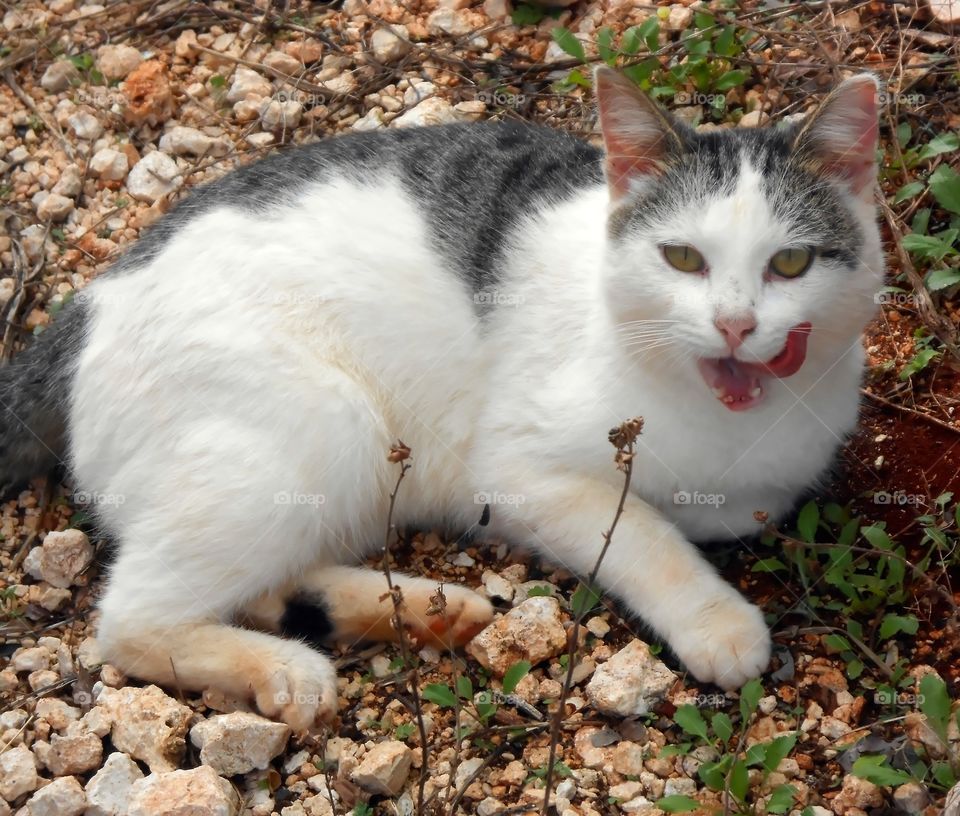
point(111, 112)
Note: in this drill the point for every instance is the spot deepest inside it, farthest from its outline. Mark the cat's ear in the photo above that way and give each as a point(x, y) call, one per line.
point(840, 138)
point(638, 135)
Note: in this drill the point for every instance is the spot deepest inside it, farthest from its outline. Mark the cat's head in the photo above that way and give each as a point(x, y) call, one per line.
point(745, 255)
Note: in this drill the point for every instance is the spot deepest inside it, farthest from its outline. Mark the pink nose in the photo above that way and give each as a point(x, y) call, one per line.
point(735, 329)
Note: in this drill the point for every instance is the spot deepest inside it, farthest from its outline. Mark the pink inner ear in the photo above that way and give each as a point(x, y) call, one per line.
point(621, 168)
point(846, 135)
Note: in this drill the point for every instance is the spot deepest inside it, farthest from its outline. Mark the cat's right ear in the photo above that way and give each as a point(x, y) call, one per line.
point(638, 135)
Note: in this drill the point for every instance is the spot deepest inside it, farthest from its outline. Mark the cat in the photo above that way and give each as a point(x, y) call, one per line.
point(497, 296)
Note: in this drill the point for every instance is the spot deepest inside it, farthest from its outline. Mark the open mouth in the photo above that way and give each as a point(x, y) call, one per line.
point(739, 385)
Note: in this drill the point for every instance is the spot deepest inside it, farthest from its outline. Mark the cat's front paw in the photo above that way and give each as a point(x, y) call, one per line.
point(298, 687)
point(726, 642)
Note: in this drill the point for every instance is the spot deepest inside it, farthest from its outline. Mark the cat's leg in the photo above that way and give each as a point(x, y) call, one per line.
point(354, 604)
point(227, 510)
point(712, 628)
point(160, 623)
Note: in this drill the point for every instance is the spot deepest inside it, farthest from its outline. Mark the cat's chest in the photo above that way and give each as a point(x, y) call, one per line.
point(710, 477)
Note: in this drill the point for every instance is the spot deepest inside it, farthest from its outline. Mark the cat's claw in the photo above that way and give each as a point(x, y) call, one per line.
point(300, 692)
point(727, 643)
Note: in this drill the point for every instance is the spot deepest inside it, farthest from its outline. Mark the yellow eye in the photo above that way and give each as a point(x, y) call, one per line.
point(791, 263)
point(684, 257)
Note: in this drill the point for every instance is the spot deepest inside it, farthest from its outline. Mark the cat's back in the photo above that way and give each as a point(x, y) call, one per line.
point(471, 185)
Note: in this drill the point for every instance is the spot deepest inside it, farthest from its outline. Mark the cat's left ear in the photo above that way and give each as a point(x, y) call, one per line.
point(638, 135)
point(840, 138)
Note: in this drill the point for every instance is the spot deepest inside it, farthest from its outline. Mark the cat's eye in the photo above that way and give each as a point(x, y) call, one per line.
point(791, 263)
point(684, 257)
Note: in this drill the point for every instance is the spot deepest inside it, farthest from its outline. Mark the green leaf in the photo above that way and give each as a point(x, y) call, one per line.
point(877, 536)
point(568, 41)
point(722, 726)
point(919, 362)
point(894, 624)
point(677, 804)
point(526, 15)
point(945, 187)
point(605, 46)
point(649, 30)
point(739, 780)
point(908, 191)
point(935, 703)
point(837, 643)
point(807, 522)
point(904, 132)
point(714, 774)
point(855, 668)
point(584, 599)
point(750, 696)
point(943, 278)
point(439, 693)
point(541, 590)
point(778, 750)
point(689, 718)
point(730, 80)
point(726, 44)
point(768, 565)
point(514, 675)
point(874, 769)
point(781, 799)
point(928, 246)
point(217, 81)
point(465, 687)
point(942, 143)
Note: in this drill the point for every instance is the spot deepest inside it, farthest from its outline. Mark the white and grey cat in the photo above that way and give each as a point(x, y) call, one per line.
point(497, 296)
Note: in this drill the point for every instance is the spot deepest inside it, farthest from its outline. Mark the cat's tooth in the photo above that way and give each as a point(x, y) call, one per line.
point(728, 398)
point(718, 393)
point(757, 391)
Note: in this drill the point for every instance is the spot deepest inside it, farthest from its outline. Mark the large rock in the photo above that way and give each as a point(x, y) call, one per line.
point(62, 797)
point(531, 631)
point(68, 755)
point(239, 742)
point(61, 558)
point(147, 724)
point(390, 44)
point(199, 792)
point(630, 682)
point(153, 177)
point(247, 84)
point(108, 791)
point(116, 61)
point(18, 772)
point(188, 141)
point(856, 793)
point(384, 769)
point(54, 208)
point(432, 111)
point(110, 164)
point(59, 76)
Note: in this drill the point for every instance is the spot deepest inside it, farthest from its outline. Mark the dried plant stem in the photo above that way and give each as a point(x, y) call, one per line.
point(624, 439)
point(399, 453)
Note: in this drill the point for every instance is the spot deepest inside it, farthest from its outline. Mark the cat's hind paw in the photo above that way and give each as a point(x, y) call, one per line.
point(454, 623)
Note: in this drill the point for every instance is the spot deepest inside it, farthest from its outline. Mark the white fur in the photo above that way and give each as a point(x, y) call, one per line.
point(261, 357)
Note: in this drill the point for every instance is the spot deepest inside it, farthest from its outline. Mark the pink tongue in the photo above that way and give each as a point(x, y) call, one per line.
point(736, 383)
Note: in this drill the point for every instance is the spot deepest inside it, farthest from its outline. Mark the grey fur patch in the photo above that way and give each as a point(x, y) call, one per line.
point(34, 395)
